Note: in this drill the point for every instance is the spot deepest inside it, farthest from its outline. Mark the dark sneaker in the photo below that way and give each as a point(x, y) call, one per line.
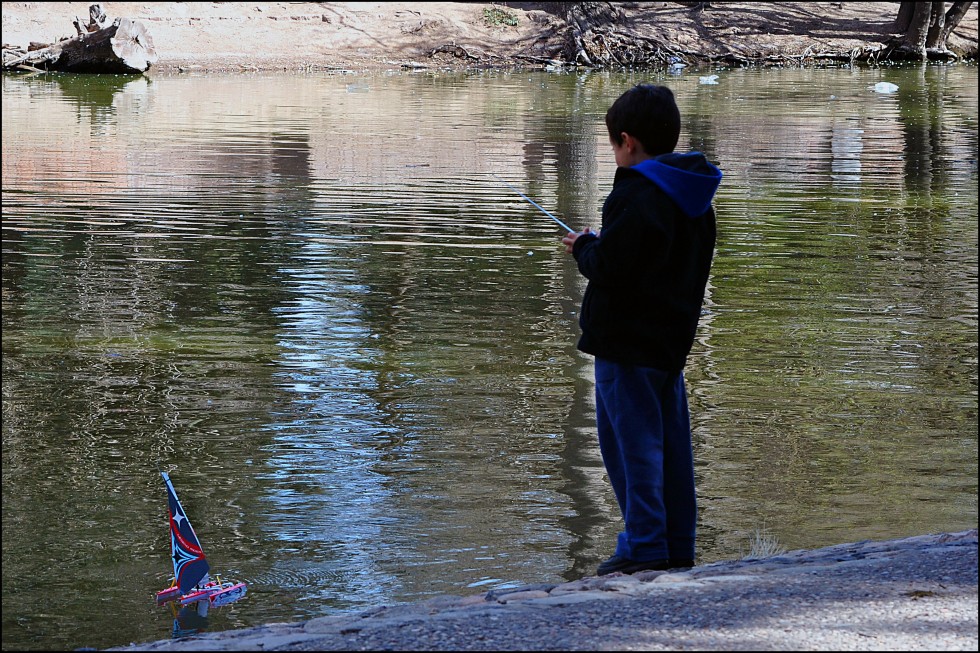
point(627, 566)
point(681, 564)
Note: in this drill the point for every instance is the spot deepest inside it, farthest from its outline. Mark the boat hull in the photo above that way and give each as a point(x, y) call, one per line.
point(215, 593)
point(168, 595)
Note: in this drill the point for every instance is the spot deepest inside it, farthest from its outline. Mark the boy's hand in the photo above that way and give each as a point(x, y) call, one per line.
point(570, 239)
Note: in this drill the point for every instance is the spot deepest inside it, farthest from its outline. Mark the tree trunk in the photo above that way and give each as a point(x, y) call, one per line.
point(133, 46)
point(937, 21)
point(904, 19)
point(583, 18)
point(123, 47)
point(927, 28)
point(953, 18)
point(913, 44)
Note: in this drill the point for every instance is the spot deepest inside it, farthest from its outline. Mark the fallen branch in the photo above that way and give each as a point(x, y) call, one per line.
point(453, 49)
point(123, 47)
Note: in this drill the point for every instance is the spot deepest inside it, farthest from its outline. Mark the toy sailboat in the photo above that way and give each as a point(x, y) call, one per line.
point(191, 583)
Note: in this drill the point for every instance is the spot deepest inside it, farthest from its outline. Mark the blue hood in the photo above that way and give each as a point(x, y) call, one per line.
point(688, 179)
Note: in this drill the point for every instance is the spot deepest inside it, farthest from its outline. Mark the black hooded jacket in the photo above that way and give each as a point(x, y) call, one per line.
point(648, 267)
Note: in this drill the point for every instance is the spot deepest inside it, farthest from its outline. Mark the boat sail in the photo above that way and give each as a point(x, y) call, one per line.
point(190, 581)
point(190, 565)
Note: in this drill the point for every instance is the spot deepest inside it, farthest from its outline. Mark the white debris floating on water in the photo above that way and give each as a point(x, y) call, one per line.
point(885, 87)
point(708, 79)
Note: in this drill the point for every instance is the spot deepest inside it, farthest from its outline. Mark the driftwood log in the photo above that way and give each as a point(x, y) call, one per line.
point(123, 47)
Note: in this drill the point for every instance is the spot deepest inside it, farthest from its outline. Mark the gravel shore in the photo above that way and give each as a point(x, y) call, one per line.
point(912, 594)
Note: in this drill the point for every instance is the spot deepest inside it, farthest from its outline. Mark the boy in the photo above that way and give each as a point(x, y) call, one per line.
point(647, 270)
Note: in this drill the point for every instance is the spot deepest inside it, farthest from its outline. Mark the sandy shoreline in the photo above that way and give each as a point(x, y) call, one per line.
point(283, 36)
point(298, 36)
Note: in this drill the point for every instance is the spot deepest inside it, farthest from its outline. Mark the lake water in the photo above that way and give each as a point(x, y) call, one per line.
point(308, 298)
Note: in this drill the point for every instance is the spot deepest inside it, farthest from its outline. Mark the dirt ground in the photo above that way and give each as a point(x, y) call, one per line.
point(453, 35)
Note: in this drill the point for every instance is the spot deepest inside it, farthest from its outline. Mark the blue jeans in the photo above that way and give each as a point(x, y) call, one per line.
point(645, 439)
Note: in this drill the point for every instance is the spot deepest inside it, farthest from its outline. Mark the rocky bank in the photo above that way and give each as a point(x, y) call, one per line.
point(911, 594)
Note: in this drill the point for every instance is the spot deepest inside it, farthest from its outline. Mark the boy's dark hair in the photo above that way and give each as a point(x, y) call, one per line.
point(649, 114)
